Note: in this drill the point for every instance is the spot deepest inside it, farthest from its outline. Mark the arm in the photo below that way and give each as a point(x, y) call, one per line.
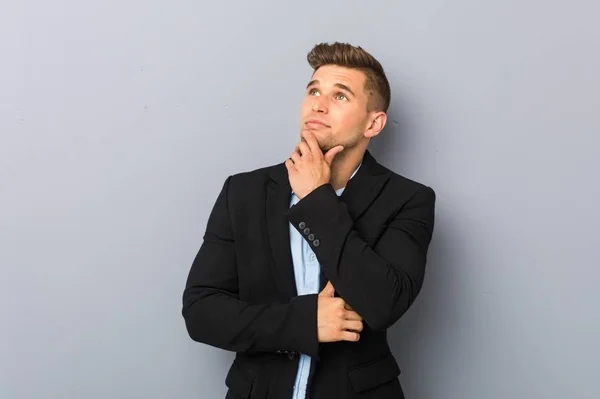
point(215, 315)
point(379, 283)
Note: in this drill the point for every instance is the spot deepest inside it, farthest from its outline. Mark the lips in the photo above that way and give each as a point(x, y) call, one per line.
point(315, 122)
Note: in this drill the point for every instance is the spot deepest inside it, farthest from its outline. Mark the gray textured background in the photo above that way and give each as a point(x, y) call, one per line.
point(119, 121)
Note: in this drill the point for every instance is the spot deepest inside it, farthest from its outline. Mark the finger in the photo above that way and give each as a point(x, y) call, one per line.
point(330, 155)
point(353, 325)
point(296, 157)
point(349, 336)
point(304, 148)
point(328, 290)
point(312, 142)
point(290, 165)
point(297, 150)
point(348, 307)
point(352, 315)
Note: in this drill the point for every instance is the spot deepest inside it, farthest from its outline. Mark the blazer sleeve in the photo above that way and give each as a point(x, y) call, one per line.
point(379, 283)
point(215, 315)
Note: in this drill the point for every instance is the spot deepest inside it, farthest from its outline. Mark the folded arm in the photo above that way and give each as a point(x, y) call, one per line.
point(380, 283)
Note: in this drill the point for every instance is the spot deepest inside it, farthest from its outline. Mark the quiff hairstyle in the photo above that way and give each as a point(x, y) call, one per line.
point(346, 55)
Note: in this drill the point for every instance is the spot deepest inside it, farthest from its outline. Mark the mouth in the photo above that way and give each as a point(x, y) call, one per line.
point(315, 123)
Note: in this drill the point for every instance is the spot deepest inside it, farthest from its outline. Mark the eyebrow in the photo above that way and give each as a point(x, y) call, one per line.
point(338, 85)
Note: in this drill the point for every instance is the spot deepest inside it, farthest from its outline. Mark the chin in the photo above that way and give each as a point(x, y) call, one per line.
point(325, 148)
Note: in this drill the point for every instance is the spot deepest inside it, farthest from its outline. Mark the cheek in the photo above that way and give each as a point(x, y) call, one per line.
point(346, 119)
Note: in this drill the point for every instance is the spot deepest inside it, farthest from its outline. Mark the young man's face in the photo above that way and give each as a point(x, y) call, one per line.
point(335, 107)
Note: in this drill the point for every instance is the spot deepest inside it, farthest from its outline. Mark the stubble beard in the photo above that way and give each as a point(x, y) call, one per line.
point(350, 143)
point(328, 143)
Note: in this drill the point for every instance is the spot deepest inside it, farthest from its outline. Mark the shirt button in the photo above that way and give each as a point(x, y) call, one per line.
point(312, 257)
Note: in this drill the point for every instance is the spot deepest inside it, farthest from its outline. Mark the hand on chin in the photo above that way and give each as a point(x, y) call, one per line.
point(308, 168)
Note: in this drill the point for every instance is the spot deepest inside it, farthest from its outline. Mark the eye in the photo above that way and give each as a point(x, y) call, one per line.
point(313, 92)
point(341, 96)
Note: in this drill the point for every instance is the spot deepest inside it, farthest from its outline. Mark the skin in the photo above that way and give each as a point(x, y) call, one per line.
point(336, 128)
point(335, 97)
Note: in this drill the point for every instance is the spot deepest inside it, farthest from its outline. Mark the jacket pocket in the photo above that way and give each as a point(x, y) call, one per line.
point(239, 381)
point(373, 374)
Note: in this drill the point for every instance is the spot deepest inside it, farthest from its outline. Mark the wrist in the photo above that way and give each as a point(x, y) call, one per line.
point(303, 194)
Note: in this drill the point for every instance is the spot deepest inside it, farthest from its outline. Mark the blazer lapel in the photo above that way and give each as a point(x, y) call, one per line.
point(277, 207)
point(365, 186)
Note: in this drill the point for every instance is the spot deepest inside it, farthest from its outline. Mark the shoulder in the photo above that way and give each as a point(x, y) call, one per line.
point(404, 186)
point(248, 181)
point(256, 175)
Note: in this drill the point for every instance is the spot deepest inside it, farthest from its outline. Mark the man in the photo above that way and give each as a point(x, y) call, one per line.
point(307, 263)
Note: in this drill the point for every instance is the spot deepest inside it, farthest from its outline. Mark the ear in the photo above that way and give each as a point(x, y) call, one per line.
point(376, 125)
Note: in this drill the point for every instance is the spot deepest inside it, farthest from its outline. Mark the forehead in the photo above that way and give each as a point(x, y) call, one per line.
point(329, 75)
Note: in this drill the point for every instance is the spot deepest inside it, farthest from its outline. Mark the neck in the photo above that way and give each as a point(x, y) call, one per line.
point(343, 167)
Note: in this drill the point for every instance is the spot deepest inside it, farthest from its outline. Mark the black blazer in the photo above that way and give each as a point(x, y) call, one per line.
point(240, 294)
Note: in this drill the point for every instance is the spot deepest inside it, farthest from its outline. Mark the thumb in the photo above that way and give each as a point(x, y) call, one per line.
point(330, 155)
point(329, 290)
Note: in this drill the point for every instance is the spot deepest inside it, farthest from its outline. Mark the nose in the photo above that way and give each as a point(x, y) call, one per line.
point(319, 105)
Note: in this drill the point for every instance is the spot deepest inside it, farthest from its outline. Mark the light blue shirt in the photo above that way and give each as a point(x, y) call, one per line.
point(307, 272)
